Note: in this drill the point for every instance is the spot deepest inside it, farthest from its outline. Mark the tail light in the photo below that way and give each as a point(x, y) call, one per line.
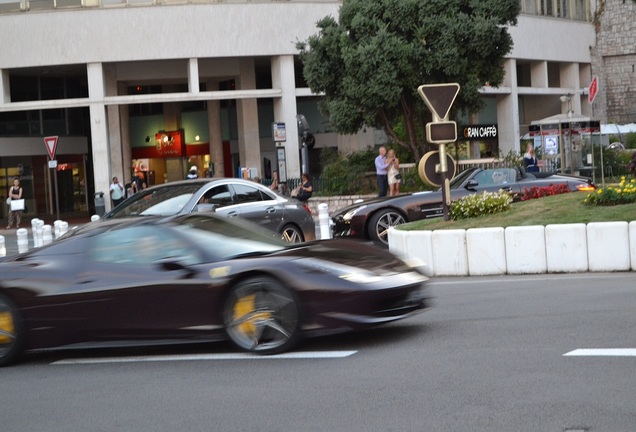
point(306, 207)
point(587, 187)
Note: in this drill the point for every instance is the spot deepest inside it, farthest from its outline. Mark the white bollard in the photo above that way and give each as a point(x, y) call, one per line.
point(23, 240)
point(94, 218)
point(63, 228)
point(3, 248)
point(56, 228)
point(38, 231)
point(47, 236)
point(34, 231)
point(323, 219)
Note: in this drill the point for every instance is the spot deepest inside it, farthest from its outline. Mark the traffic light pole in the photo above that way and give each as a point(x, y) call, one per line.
point(446, 195)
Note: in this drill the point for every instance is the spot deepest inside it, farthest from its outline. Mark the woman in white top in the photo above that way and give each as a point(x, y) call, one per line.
point(394, 174)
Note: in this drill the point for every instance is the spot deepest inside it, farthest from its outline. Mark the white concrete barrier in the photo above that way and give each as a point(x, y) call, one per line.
point(397, 242)
point(565, 248)
point(608, 246)
point(525, 249)
point(420, 245)
point(3, 247)
point(632, 244)
point(449, 248)
point(486, 251)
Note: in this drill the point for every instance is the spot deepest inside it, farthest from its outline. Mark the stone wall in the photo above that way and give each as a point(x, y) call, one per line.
point(614, 62)
point(335, 203)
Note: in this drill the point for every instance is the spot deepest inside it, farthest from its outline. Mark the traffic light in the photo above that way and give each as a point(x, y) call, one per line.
point(308, 140)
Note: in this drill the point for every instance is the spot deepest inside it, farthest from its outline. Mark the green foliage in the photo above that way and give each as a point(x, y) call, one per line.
point(480, 204)
point(371, 61)
point(512, 160)
point(623, 193)
point(354, 174)
point(348, 175)
point(630, 139)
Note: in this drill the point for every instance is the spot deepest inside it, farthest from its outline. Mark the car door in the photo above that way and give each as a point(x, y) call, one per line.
point(258, 206)
point(220, 199)
point(491, 180)
point(139, 292)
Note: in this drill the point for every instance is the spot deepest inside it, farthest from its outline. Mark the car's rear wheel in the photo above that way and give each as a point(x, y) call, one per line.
point(380, 223)
point(11, 332)
point(261, 315)
point(291, 234)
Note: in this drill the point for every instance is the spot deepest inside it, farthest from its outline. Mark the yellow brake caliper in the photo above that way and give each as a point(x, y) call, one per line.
point(6, 327)
point(245, 306)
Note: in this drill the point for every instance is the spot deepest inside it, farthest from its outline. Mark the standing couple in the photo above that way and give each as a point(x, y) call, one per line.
point(387, 169)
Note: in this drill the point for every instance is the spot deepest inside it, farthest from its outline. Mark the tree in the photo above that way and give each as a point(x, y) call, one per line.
point(370, 62)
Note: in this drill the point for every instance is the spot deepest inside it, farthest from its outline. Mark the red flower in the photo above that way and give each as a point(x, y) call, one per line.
point(539, 192)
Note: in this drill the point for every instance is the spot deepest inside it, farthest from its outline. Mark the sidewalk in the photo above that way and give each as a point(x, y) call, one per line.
point(11, 237)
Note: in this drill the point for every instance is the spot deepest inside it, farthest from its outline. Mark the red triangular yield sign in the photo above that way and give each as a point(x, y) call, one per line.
point(51, 145)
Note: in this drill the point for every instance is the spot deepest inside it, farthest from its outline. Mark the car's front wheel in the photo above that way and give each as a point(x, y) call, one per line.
point(11, 332)
point(380, 223)
point(292, 234)
point(261, 315)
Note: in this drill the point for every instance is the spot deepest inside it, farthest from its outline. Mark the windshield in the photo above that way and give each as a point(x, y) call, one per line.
point(457, 181)
point(225, 238)
point(163, 201)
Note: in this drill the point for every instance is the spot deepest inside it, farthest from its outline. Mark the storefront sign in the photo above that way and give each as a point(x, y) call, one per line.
point(167, 145)
point(479, 132)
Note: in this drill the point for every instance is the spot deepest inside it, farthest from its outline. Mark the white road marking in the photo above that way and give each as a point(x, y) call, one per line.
point(210, 357)
point(606, 352)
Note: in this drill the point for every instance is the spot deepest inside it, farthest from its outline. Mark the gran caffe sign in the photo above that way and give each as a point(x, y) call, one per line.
point(480, 132)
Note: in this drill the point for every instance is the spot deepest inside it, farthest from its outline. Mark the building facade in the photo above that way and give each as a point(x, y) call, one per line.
point(157, 86)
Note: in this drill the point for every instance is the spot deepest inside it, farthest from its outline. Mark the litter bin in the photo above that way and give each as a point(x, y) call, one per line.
point(100, 204)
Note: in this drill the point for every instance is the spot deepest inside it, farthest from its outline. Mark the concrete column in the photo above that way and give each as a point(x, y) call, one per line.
point(570, 79)
point(285, 109)
point(508, 112)
point(193, 75)
point(99, 131)
point(126, 146)
point(539, 74)
point(247, 118)
point(214, 131)
point(5, 89)
point(115, 130)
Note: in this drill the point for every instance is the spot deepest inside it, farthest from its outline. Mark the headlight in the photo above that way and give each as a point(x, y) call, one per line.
point(351, 213)
point(352, 274)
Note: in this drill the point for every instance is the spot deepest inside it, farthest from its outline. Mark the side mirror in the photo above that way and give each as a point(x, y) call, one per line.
point(206, 207)
point(472, 184)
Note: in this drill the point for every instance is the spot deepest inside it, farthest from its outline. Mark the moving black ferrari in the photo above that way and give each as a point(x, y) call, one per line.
point(372, 219)
point(196, 278)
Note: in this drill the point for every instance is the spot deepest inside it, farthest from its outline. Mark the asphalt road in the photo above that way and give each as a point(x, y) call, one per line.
point(489, 356)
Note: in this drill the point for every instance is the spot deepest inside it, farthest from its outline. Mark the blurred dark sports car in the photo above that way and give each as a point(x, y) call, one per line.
point(196, 278)
point(230, 197)
point(372, 219)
